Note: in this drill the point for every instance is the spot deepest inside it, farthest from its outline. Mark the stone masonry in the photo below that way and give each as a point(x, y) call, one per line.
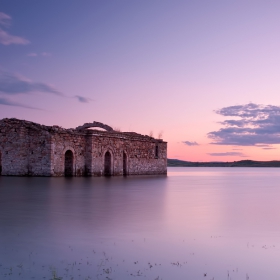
point(31, 149)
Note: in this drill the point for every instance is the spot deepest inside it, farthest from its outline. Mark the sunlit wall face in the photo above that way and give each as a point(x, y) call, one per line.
point(149, 66)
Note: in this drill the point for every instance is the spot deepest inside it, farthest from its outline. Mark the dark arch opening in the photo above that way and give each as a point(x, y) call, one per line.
point(124, 164)
point(156, 151)
point(0, 163)
point(69, 164)
point(107, 164)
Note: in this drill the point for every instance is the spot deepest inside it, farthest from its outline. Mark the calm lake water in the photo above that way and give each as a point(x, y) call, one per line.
point(195, 223)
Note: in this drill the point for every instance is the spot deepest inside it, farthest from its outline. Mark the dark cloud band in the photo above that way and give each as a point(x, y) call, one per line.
point(256, 125)
point(7, 102)
point(190, 143)
point(12, 85)
point(225, 154)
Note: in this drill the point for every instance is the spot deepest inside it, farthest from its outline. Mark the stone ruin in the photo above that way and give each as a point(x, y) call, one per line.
point(32, 149)
point(95, 124)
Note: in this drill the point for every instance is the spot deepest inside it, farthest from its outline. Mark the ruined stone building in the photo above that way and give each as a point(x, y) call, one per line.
point(31, 149)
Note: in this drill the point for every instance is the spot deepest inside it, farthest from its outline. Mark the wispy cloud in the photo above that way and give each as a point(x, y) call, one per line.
point(190, 143)
point(12, 84)
point(250, 125)
point(82, 99)
point(263, 145)
point(8, 39)
point(5, 37)
point(5, 19)
point(226, 154)
point(7, 102)
point(32, 54)
point(46, 54)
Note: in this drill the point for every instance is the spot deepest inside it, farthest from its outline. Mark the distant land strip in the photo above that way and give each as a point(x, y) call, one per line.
point(240, 163)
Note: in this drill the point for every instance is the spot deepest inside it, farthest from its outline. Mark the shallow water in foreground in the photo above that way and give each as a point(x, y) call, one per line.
point(196, 223)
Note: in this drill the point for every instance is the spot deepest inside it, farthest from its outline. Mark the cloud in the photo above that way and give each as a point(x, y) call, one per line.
point(7, 102)
point(39, 54)
point(250, 125)
point(5, 19)
point(189, 143)
point(32, 54)
point(8, 39)
point(262, 145)
point(5, 37)
point(46, 54)
point(82, 99)
point(11, 84)
point(226, 154)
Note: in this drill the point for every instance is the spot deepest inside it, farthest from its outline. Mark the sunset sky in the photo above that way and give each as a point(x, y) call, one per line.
point(205, 74)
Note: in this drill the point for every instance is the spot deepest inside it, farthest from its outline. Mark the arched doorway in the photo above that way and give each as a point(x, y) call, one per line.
point(69, 164)
point(107, 164)
point(124, 164)
point(0, 163)
point(156, 151)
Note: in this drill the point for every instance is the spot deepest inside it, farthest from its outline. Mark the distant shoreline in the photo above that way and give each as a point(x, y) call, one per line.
point(241, 163)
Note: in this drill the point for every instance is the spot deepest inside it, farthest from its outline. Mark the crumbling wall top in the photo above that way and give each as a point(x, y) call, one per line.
point(95, 124)
point(80, 130)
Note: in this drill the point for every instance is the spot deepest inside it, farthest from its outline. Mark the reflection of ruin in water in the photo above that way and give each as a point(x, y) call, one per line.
point(68, 164)
point(137, 219)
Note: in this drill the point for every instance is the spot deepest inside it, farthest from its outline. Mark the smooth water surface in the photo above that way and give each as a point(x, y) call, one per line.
point(196, 223)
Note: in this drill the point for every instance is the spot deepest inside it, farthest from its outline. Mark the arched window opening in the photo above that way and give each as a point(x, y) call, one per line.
point(124, 164)
point(156, 151)
point(69, 164)
point(107, 164)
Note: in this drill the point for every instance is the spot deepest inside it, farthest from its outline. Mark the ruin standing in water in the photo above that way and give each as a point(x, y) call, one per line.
point(31, 149)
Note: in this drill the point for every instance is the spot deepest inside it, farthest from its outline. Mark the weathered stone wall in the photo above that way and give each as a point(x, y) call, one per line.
point(30, 149)
point(140, 155)
point(62, 142)
point(25, 149)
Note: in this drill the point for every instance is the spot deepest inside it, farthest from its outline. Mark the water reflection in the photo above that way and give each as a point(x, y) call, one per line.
point(221, 222)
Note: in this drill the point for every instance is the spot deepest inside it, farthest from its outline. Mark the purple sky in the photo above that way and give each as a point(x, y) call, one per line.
point(176, 67)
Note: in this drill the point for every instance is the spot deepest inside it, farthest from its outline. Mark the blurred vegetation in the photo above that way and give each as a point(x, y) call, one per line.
point(241, 163)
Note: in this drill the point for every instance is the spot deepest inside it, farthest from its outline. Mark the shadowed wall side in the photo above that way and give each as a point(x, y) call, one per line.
point(0, 162)
point(25, 149)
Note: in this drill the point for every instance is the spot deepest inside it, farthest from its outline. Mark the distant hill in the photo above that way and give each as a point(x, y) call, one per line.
point(240, 163)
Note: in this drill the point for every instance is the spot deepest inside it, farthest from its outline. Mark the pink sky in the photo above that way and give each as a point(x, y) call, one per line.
point(161, 66)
